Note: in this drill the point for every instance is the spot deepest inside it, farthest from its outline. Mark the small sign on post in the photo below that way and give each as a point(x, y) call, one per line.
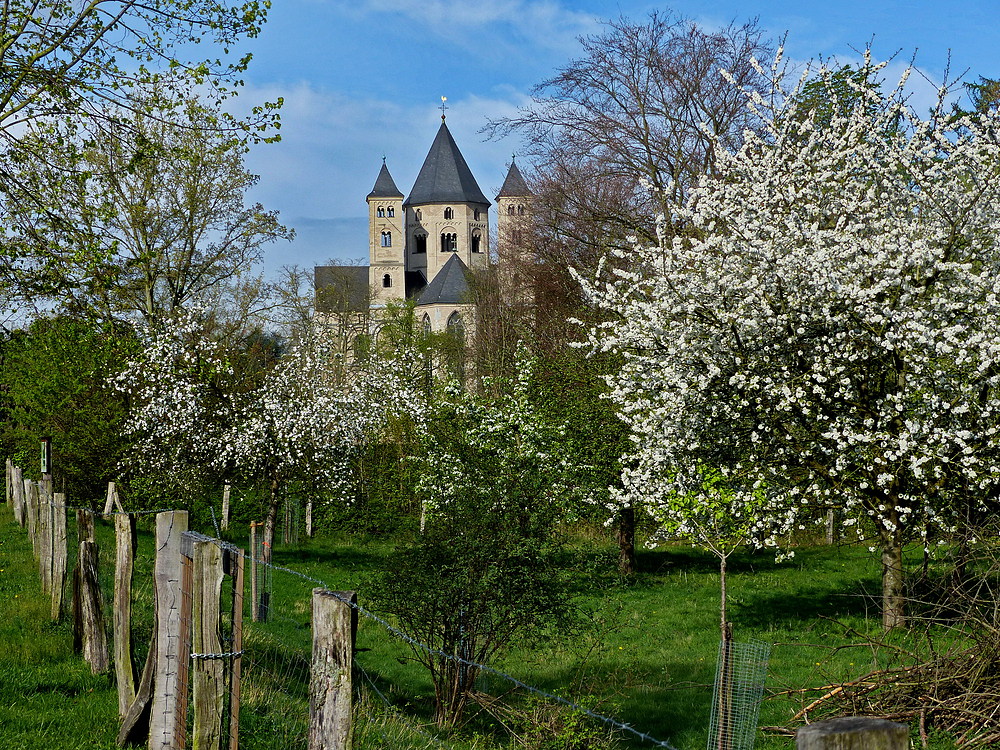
point(46, 456)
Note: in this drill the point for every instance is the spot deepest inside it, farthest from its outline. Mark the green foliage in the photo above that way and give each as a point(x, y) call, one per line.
point(55, 378)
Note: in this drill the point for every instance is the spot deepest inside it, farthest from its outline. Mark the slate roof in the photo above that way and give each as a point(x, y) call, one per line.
point(514, 186)
point(445, 177)
point(449, 287)
point(342, 288)
point(385, 187)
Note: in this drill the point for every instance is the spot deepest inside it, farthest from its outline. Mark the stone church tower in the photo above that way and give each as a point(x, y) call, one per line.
point(425, 246)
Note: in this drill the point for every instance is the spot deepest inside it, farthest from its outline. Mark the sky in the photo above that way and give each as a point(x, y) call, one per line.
point(363, 79)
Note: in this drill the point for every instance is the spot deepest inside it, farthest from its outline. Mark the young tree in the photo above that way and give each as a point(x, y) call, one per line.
point(496, 481)
point(827, 331)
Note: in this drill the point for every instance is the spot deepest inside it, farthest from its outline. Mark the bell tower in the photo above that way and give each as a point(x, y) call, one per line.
point(446, 212)
point(386, 241)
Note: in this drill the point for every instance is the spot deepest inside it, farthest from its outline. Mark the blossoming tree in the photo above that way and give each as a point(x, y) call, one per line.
point(824, 331)
point(193, 413)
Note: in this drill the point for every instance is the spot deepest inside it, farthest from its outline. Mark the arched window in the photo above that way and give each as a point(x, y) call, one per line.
point(455, 323)
point(520, 211)
point(455, 357)
point(449, 242)
point(391, 211)
point(426, 323)
point(386, 281)
point(418, 214)
point(420, 242)
point(449, 213)
point(510, 210)
point(380, 211)
point(476, 215)
point(477, 240)
point(386, 239)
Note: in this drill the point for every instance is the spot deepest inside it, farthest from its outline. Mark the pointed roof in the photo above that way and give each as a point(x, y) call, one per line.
point(449, 287)
point(445, 177)
point(514, 185)
point(385, 187)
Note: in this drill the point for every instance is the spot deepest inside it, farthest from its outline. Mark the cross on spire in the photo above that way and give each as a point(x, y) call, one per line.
point(443, 107)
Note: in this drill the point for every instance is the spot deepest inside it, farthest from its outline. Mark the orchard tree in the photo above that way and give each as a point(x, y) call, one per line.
point(826, 333)
point(194, 414)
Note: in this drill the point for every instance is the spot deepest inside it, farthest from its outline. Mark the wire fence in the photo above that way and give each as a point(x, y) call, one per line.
point(274, 659)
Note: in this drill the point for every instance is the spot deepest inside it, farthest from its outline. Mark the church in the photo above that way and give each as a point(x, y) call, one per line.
point(423, 246)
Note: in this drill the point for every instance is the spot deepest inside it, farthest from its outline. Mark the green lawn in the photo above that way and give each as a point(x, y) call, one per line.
point(644, 651)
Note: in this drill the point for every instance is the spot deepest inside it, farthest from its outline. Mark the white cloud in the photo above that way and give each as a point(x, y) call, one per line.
point(499, 27)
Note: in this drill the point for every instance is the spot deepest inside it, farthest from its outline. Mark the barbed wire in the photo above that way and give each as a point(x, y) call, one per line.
point(406, 638)
point(431, 650)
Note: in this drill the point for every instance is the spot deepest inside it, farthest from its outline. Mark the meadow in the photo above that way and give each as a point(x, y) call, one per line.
point(642, 650)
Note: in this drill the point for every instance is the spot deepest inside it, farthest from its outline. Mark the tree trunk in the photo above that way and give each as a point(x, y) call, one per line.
point(893, 595)
point(625, 536)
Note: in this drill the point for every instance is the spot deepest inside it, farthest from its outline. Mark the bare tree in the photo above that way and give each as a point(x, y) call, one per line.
point(619, 134)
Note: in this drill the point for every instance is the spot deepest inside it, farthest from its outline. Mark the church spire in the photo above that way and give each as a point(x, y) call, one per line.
point(445, 177)
point(385, 186)
point(514, 186)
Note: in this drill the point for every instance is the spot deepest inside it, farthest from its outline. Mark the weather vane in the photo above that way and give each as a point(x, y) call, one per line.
point(443, 107)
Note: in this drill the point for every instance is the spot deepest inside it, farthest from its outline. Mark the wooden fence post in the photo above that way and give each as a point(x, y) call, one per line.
point(125, 539)
point(59, 555)
point(31, 499)
point(853, 733)
point(112, 502)
point(166, 722)
point(44, 533)
point(330, 704)
point(20, 511)
point(8, 482)
point(85, 533)
point(95, 638)
point(309, 518)
point(208, 671)
point(225, 507)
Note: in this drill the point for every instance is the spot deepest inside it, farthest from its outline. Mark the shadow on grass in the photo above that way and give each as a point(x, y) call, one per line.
point(765, 609)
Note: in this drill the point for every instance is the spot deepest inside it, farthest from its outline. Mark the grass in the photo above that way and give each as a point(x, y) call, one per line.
point(644, 651)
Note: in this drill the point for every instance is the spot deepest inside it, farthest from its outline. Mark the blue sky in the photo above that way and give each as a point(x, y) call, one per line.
point(363, 78)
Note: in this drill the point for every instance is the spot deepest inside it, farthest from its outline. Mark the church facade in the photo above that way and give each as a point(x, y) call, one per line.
point(426, 245)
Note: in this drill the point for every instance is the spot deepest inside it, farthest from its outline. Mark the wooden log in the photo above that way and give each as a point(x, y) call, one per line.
point(95, 639)
point(225, 507)
point(853, 733)
point(20, 511)
point(208, 669)
point(330, 702)
point(59, 555)
point(237, 558)
point(125, 539)
point(164, 720)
